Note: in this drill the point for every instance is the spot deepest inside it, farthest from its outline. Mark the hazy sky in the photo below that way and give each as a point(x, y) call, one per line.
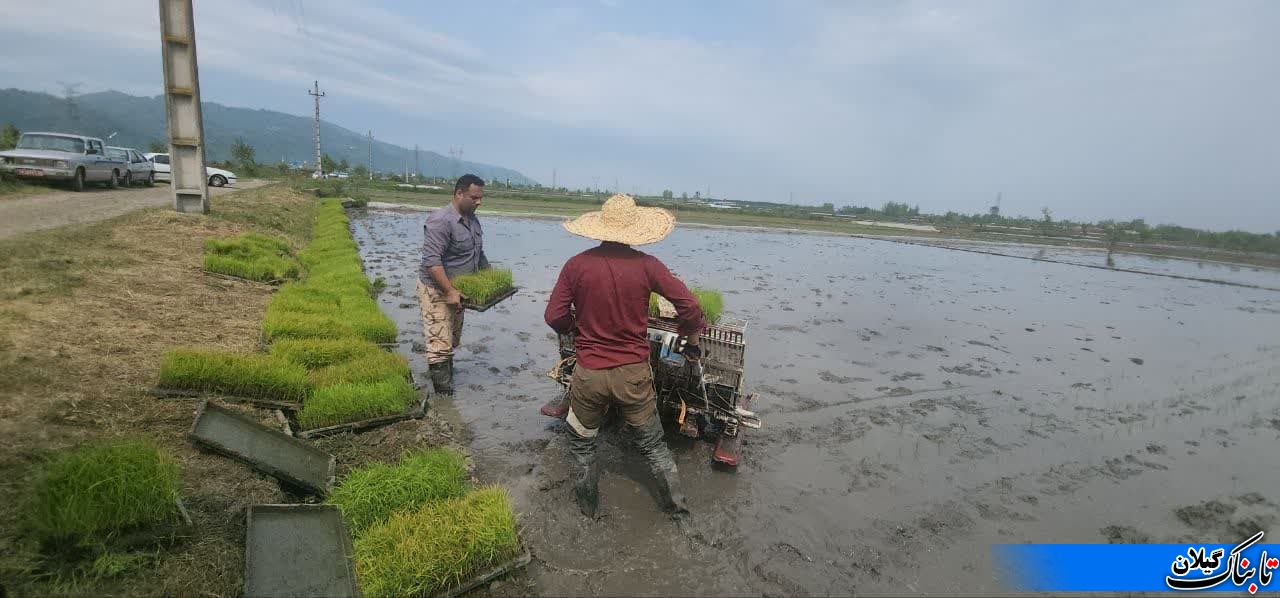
point(1168, 110)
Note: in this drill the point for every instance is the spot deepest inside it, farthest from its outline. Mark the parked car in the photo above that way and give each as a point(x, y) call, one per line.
point(62, 157)
point(217, 176)
point(138, 169)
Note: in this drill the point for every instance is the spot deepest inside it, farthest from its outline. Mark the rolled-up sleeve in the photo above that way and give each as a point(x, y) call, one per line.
point(688, 311)
point(435, 235)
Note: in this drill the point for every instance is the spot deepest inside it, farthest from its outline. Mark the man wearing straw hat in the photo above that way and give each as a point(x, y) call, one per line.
point(608, 289)
point(453, 244)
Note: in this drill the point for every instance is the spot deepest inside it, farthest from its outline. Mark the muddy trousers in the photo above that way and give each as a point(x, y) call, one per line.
point(649, 441)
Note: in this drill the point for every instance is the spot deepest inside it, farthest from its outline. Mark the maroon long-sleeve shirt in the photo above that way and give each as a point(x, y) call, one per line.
point(608, 288)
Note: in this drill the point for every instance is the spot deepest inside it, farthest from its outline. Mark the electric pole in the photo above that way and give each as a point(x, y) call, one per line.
point(189, 183)
point(553, 179)
point(319, 161)
point(417, 168)
point(371, 155)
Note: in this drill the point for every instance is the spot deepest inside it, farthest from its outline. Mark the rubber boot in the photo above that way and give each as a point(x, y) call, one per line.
point(586, 486)
point(650, 443)
point(442, 377)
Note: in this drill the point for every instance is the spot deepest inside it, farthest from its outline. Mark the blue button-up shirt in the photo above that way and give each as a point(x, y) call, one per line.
point(453, 241)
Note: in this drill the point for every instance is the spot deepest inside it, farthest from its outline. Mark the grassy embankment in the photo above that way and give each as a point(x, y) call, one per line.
point(87, 315)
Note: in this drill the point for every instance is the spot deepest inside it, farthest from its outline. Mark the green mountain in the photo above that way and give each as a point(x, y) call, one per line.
point(137, 121)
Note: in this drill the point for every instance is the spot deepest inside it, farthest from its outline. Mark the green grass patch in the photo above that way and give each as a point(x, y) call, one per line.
point(712, 303)
point(353, 402)
point(370, 494)
point(94, 491)
point(371, 367)
point(438, 546)
point(482, 286)
point(244, 375)
point(313, 353)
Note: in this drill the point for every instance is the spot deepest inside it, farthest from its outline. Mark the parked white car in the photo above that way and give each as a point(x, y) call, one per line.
point(217, 176)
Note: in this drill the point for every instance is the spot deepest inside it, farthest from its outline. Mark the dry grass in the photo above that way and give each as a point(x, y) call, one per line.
point(86, 315)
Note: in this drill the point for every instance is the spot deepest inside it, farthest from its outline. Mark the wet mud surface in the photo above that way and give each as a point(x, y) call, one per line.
point(919, 405)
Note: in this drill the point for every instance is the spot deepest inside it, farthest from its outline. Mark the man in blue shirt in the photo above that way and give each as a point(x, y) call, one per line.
point(453, 244)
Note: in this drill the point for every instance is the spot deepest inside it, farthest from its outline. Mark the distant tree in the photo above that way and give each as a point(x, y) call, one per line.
point(327, 164)
point(9, 137)
point(667, 194)
point(343, 166)
point(684, 195)
point(1048, 215)
point(697, 195)
point(360, 172)
point(157, 147)
point(916, 210)
point(242, 153)
point(829, 208)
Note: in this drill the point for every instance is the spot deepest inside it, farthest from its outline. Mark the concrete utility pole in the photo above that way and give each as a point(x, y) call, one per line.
point(371, 155)
point(182, 107)
point(553, 180)
point(319, 162)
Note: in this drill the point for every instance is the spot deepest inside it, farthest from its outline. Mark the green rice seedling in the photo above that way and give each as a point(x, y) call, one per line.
point(711, 302)
point(371, 324)
point(252, 256)
point(248, 245)
point(280, 324)
point(263, 269)
point(313, 353)
point(482, 286)
point(94, 491)
point(438, 546)
point(245, 375)
point(370, 494)
point(353, 402)
point(372, 367)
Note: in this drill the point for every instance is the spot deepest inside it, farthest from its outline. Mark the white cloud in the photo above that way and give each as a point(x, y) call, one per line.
point(937, 103)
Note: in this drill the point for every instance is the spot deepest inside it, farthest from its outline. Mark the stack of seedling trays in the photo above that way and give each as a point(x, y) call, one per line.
point(484, 289)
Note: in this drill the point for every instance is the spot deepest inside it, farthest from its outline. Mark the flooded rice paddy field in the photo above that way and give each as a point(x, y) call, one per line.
point(919, 405)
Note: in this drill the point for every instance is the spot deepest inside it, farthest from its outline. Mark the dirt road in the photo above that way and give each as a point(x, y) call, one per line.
point(51, 210)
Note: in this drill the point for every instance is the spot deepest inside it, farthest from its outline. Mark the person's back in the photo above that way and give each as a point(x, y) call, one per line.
point(609, 288)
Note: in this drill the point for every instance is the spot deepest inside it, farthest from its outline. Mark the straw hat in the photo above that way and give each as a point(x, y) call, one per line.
point(622, 221)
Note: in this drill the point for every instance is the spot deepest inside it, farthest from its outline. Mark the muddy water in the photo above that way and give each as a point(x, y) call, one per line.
point(919, 405)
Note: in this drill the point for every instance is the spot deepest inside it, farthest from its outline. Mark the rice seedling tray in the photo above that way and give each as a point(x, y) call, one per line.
point(298, 550)
point(416, 411)
point(492, 302)
point(156, 534)
point(519, 562)
point(286, 458)
point(167, 393)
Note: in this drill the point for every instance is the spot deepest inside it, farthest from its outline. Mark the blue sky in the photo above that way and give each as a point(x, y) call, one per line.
point(1158, 110)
